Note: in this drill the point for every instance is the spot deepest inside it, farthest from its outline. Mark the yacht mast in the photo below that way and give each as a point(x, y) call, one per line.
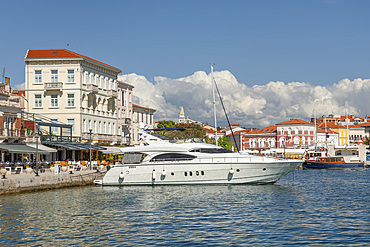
point(314, 116)
point(214, 103)
point(347, 128)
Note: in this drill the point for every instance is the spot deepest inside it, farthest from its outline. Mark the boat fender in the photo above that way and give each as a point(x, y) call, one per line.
point(153, 174)
point(163, 173)
point(121, 176)
point(231, 171)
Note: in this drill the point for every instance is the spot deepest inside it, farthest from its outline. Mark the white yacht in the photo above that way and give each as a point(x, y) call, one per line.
point(165, 163)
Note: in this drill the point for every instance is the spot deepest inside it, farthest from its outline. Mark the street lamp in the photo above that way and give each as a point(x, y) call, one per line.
point(90, 130)
point(37, 153)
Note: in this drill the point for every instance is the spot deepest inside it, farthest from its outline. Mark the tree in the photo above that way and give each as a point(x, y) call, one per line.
point(166, 124)
point(224, 142)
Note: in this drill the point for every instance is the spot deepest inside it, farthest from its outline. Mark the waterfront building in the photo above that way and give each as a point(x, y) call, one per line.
point(17, 142)
point(342, 131)
point(366, 129)
point(341, 120)
point(326, 137)
point(73, 89)
point(260, 139)
point(356, 134)
point(295, 133)
point(142, 118)
point(125, 111)
point(10, 115)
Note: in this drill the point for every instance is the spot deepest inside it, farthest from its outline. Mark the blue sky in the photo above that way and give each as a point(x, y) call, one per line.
point(320, 42)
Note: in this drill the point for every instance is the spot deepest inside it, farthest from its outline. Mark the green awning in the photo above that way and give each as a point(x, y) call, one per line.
point(22, 149)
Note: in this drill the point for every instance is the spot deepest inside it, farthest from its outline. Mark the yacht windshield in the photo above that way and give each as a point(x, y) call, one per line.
point(132, 158)
point(211, 150)
point(172, 157)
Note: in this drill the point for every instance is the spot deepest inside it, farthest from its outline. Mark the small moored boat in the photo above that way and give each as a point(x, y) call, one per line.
point(331, 163)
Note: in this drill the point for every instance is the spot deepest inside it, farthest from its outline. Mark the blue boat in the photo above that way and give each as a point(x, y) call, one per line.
point(331, 163)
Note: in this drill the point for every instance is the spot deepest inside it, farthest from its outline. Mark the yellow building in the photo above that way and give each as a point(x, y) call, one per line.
point(342, 133)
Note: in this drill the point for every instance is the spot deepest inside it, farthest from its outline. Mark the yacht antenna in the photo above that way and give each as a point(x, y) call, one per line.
point(227, 118)
point(214, 103)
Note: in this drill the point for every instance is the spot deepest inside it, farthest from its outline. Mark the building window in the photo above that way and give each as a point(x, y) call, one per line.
point(37, 101)
point(70, 100)
point(54, 101)
point(124, 98)
point(70, 75)
point(104, 128)
point(90, 127)
point(100, 127)
point(110, 84)
point(54, 75)
point(114, 129)
point(71, 121)
point(95, 127)
point(109, 129)
point(95, 80)
point(38, 76)
point(86, 77)
point(84, 125)
point(100, 82)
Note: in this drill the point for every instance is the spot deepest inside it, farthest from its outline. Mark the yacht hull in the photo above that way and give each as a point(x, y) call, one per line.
point(184, 173)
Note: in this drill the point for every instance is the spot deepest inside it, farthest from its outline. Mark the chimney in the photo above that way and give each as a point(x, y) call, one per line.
point(7, 84)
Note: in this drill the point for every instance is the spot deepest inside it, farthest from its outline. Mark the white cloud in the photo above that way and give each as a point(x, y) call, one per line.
point(257, 106)
point(19, 86)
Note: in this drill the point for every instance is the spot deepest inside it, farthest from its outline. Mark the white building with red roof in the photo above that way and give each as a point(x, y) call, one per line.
point(74, 89)
point(259, 139)
point(366, 129)
point(295, 133)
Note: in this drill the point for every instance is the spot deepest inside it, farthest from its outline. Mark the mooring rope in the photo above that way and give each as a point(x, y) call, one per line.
point(313, 177)
point(327, 176)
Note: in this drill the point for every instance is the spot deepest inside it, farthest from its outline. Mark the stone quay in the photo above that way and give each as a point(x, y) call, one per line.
point(26, 182)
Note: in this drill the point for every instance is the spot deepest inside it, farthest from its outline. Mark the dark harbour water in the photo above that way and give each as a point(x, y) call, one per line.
point(320, 208)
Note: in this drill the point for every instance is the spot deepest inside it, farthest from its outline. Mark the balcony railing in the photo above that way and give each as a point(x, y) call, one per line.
point(11, 133)
point(53, 86)
point(92, 88)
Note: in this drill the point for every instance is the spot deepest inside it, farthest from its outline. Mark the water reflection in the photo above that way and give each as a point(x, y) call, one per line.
point(305, 212)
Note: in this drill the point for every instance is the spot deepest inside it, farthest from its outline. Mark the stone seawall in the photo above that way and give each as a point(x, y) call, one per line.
point(29, 182)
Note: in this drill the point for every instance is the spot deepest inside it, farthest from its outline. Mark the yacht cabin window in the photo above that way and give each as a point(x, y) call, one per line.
point(172, 157)
point(211, 150)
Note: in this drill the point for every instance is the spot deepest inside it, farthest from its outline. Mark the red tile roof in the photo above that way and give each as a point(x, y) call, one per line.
point(294, 121)
point(323, 131)
point(133, 105)
point(365, 124)
point(209, 131)
point(60, 53)
point(269, 129)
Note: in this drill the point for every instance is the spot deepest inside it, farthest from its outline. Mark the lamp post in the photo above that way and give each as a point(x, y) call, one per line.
point(37, 153)
point(90, 130)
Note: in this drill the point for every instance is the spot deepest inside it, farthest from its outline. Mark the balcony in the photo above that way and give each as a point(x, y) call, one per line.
point(50, 86)
point(92, 88)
